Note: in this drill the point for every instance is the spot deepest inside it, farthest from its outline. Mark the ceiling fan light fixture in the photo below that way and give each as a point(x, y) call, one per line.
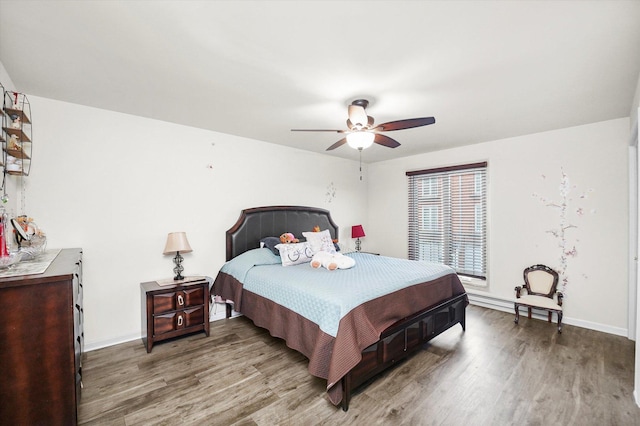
point(360, 139)
point(361, 132)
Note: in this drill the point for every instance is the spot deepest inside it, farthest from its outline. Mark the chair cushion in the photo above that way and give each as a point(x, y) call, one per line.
point(538, 302)
point(540, 281)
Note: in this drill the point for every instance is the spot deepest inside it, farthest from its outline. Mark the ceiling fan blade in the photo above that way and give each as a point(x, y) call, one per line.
point(318, 130)
point(405, 124)
point(337, 144)
point(357, 115)
point(386, 141)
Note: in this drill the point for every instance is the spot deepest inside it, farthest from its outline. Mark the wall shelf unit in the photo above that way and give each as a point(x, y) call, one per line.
point(17, 138)
point(2, 139)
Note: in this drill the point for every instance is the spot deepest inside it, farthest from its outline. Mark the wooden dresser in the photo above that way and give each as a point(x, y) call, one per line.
point(41, 343)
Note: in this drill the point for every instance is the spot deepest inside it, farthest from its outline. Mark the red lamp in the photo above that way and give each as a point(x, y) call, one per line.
point(357, 232)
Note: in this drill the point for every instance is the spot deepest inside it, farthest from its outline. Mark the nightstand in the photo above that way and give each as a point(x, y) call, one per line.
point(174, 310)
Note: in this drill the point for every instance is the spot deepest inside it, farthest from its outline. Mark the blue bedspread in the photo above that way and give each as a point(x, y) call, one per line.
point(324, 296)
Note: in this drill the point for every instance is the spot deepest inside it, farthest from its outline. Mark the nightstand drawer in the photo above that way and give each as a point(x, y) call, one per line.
point(172, 321)
point(164, 302)
point(194, 297)
point(194, 316)
point(165, 323)
point(168, 302)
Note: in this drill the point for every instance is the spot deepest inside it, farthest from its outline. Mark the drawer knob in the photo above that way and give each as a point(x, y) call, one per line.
point(180, 320)
point(180, 300)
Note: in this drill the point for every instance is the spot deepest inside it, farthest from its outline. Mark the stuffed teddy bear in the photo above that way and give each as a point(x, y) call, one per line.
point(288, 237)
point(332, 261)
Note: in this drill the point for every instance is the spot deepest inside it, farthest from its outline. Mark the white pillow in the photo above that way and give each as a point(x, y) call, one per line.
point(294, 254)
point(320, 241)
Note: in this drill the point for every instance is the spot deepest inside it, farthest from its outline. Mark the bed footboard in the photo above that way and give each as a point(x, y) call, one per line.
point(402, 339)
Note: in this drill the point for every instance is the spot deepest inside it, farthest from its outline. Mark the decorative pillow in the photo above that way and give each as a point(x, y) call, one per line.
point(271, 243)
point(295, 253)
point(320, 241)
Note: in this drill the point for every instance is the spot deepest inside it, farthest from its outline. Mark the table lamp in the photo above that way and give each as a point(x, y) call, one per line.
point(357, 232)
point(176, 243)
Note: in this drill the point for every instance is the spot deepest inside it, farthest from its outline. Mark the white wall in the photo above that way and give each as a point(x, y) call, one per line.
point(5, 79)
point(635, 105)
point(116, 184)
point(595, 159)
point(635, 129)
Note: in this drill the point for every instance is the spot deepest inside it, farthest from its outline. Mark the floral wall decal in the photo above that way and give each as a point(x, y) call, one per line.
point(331, 192)
point(564, 233)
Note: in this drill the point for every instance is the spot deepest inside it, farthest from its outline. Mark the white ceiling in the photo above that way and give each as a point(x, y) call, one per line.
point(486, 70)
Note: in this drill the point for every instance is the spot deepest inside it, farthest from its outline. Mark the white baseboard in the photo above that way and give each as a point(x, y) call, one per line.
point(505, 305)
point(92, 346)
point(218, 312)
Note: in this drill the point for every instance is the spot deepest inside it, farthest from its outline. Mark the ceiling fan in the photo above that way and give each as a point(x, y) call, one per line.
point(361, 132)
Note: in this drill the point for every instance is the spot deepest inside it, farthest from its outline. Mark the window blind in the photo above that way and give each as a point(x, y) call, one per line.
point(447, 217)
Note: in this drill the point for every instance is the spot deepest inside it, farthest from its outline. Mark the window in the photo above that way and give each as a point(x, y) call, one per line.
point(429, 187)
point(429, 218)
point(447, 217)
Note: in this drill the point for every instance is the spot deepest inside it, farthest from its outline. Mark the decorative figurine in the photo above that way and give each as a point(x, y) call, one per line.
point(15, 123)
point(13, 143)
point(16, 105)
point(3, 231)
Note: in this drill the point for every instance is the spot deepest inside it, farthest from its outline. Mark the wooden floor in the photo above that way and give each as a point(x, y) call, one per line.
point(495, 373)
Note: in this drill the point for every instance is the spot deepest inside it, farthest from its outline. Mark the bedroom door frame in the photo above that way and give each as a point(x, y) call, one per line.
point(634, 248)
point(634, 224)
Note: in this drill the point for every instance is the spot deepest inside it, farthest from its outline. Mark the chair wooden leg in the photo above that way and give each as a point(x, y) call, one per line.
point(515, 306)
point(559, 322)
point(549, 316)
point(529, 312)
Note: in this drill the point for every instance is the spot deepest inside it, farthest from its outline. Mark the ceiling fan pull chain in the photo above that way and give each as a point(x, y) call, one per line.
point(360, 152)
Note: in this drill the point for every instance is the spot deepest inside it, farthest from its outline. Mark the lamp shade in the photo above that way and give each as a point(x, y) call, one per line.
point(360, 139)
point(177, 242)
point(357, 231)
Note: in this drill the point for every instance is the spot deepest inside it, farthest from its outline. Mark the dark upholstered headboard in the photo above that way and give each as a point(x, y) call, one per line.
point(273, 221)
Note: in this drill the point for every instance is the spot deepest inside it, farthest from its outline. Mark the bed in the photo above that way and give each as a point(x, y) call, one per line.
point(371, 332)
